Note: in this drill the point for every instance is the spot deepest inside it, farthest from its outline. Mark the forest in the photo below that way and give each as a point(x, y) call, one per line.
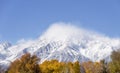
point(31, 64)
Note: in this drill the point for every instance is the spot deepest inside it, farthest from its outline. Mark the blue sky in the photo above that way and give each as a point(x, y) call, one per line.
point(29, 18)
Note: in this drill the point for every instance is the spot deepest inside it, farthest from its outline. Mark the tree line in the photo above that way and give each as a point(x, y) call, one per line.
point(30, 64)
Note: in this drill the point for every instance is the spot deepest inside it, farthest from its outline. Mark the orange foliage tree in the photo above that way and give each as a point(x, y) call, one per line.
point(26, 64)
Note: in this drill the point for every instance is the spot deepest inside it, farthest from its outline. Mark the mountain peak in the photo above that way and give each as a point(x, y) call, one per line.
point(65, 42)
point(5, 45)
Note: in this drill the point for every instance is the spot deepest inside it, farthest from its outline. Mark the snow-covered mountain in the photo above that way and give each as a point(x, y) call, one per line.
point(3, 50)
point(62, 42)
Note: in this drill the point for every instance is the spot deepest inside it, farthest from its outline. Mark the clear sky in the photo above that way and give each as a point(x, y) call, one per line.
point(29, 18)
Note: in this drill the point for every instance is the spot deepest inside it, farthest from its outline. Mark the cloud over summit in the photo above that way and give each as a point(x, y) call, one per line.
point(62, 31)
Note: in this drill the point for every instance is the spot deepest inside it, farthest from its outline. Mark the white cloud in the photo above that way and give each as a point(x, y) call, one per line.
point(68, 31)
point(63, 31)
point(21, 41)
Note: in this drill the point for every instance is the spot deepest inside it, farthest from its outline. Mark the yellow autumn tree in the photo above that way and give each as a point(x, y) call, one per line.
point(54, 66)
point(92, 67)
point(114, 65)
point(76, 67)
point(26, 64)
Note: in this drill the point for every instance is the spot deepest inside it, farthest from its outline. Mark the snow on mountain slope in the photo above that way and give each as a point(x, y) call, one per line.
point(65, 43)
point(3, 50)
point(4, 45)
